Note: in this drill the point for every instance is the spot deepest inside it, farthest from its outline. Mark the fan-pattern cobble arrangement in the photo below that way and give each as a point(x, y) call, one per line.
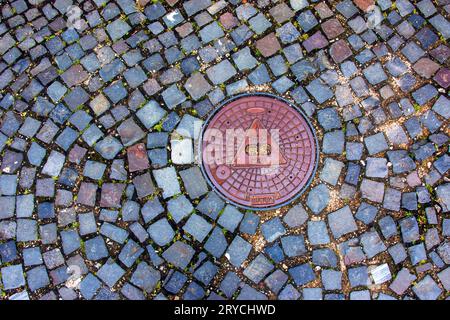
point(101, 196)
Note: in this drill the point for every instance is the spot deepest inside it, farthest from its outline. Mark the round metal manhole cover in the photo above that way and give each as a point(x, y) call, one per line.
point(258, 151)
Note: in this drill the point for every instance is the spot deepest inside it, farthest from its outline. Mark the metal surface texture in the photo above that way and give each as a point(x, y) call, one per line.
point(274, 151)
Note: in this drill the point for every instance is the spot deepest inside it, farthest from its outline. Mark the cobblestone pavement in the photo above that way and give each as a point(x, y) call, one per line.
point(100, 197)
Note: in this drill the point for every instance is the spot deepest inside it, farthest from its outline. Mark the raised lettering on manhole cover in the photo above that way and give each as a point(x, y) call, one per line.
point(258, 151)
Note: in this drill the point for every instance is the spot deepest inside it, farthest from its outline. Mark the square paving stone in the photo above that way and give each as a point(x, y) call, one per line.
point(8, 251)
point(150, 114)
point(417, 253)
point(275, 253)
point(409, 229)
point(249, 223)
point(268, 45)
point(293, 246)
point(111, 193)
point(318, 198)
point(161, 232)
point(401, 162)
point(130, 132)
point(372, 190)
point(37, 278)
point(137, 158)
point(412, 52)
point(194, 183)
point(221, 72)
point(342, 222)
point(287, 33)
point(276, 280)
point(340, 51)
point(258, 268)
point(331, 279)
point(179, 254)
point(135, 76)
point(144, 185)
point(75, 75)
point(376, 168)
point(211, 32)
point(331, 171)
point(12, 277)
point(87, 222)
point(45, 188)
point(48, 233)
point(230, 218)
point(376, 143)
point(211, 205)
point(70, 241)
point(329, 119)
point(324, 257)
point(398, 253)
point(8, 207)
point(32, 256)
point(272, 229)
point(197, 86)
point(145, 277)
point(108, 147)
point(198, 227)
point(375, 74)
point(372, 243)
point(113, 232)
point(402, 282)
point(259, 76)
point(53, 258)
point(173, 96)
point(333, 142)
point(94, 169)
point(216, 243)
point(167, 180)
point(318, 233)
point(424, 94)
point(427, 289)
point(316, 41)
point(117, 29)
point(244, 59)
point(175, 283)
point(130, 211)
point(238, 251)
point(89, 286)
point(110, 273)
point(302, 274)
point(358, 276)
point(26, 230)
point(95, 249)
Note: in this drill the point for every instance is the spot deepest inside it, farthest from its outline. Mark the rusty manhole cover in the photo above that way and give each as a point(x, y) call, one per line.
point(258, 151)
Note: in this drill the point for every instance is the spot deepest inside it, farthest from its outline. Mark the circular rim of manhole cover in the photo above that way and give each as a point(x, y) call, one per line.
point(261, 117)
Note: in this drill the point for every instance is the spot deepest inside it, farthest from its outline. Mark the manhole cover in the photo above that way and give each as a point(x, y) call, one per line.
point(258, 151)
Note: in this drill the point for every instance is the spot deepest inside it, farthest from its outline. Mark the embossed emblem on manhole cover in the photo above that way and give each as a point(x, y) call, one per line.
point(258, 151)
